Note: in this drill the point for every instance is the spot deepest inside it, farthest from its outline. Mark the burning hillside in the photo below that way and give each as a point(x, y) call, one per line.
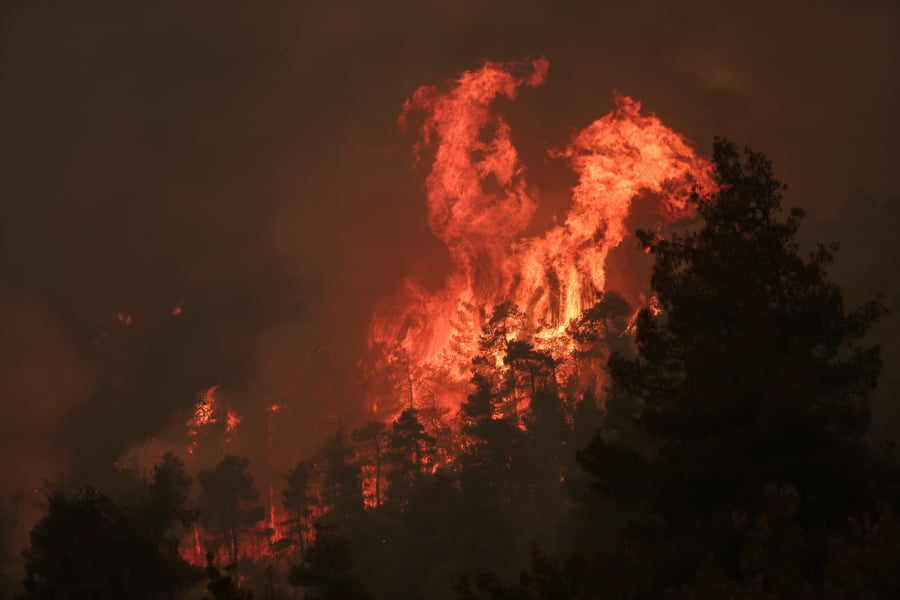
point(532, 290)
point(479, 206)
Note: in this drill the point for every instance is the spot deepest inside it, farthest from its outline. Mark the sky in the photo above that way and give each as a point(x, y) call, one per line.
point(243, 162)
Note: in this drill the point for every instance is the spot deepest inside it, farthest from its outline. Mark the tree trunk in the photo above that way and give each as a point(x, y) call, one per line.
point(377, 471)
point(234, 554)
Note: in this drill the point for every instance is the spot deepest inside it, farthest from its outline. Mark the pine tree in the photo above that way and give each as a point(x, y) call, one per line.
point(411, 448)
point(228, 502)
point(297, 500)
point(750, 373)
point(88, 546)
point(326, 572)
point(372, 440)
point(341, 488)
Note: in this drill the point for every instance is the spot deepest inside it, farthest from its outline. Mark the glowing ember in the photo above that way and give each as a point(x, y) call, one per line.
point(271, 411)
point(232, 420)
point(204, 416)
point(479, 206)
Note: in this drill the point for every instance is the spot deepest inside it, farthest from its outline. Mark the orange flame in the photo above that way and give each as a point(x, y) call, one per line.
point(204, 415)
point(479, 206)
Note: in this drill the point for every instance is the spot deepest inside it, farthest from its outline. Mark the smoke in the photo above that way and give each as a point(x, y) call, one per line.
point(867, 266)
point(243, 162)
point(42, 380)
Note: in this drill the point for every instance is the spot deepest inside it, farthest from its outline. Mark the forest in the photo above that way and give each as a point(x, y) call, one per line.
point(712, 444)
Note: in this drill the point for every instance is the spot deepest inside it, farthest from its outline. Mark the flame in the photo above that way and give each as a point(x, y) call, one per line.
point(479, 206)
point(277, 518)
point(215, 422)
point(204, 415)
point(232, 420)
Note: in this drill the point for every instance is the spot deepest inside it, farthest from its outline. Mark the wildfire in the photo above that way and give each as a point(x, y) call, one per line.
point(479, 206)
point(271, 411)
point(204, 415)
point(232, 420)
point(275, 518)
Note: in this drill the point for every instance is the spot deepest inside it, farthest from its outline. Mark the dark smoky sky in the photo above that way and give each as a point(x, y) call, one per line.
point(242, 160)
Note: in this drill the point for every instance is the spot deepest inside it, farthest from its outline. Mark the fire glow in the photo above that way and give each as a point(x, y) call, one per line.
point(479, 206)
point(204, 415)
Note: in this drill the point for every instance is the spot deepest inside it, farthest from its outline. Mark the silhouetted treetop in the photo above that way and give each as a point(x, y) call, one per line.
point(751, 373)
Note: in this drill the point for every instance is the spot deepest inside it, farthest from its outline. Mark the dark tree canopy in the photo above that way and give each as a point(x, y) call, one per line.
point(88, 546)
point(372, 438)
point(410, 449)
point(326, 570)
point(297, 500)
point(751, 373)
point(341, 487)
point(228, 502)
point(549, 578)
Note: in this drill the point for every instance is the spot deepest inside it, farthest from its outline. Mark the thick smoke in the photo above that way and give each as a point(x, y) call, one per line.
point(43, 380)
point(241, 161)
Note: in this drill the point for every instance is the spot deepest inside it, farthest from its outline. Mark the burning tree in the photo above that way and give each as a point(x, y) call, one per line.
point(372, 441)
point(601, 330)
point(479, 207)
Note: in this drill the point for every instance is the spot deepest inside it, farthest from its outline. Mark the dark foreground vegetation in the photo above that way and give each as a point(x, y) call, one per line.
point(725, 457)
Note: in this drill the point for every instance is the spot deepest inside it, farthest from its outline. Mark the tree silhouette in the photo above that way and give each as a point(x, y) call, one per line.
point(549, 578)
point(601, 325)
point(169, 488)
point(532, 369)
point(601, 330)
point(372, 438)
point(228, 502)
point(410, 447)
point(750, 375)
point(297, 499)
point(326, 570)
point(341, 487)
point(8, 522)
point(222, 585)
point(87, 546)
point(494, 440)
